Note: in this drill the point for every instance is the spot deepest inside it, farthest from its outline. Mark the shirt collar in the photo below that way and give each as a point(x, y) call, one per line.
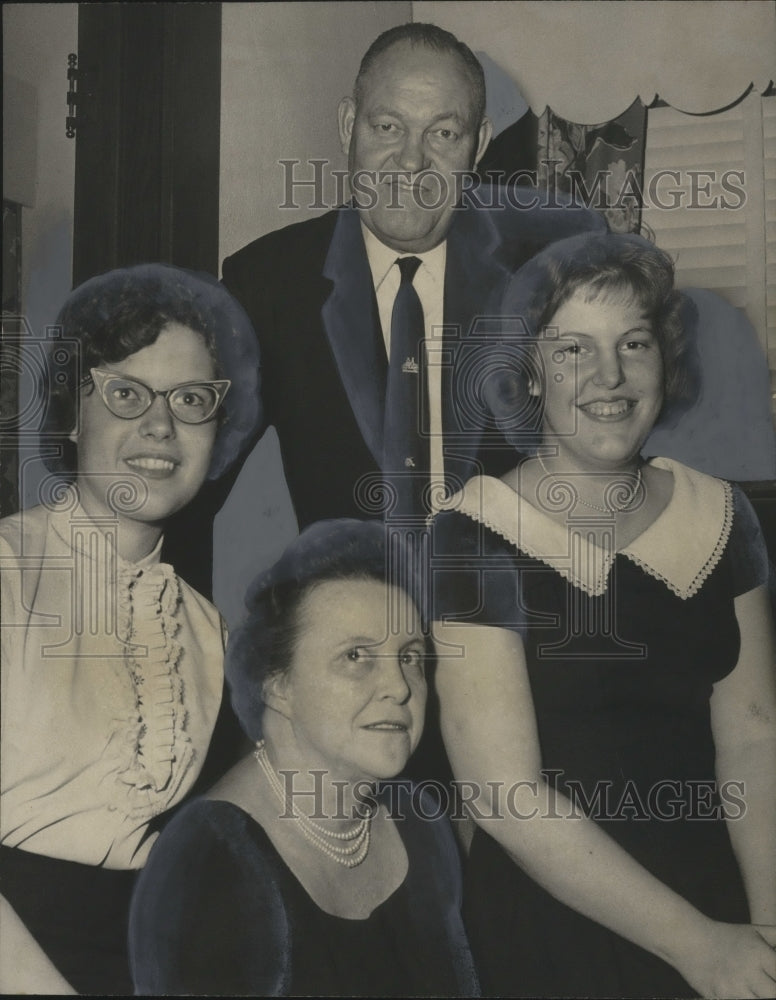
point(71, 523)
point(697, 499)
point(382, 258)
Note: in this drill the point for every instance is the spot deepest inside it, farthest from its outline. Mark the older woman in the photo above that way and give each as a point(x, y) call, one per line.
point(112, 666)
point(290, 878)
point(606, 660)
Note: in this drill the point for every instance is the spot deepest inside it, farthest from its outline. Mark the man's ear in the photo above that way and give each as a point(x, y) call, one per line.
point(274, 693)
point(483, 138)
point(346, 117)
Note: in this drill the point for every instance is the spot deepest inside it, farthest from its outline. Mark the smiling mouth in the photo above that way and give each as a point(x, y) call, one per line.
point(399, 182)
point(149, 464)
point(606, 409)
point(388, 727)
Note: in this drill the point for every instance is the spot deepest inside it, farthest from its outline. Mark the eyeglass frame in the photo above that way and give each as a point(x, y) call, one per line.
point(98, 377)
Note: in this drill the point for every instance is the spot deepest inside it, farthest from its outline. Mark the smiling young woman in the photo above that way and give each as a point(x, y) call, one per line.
point(112, 666)
point(613, 615)
point(164, 457)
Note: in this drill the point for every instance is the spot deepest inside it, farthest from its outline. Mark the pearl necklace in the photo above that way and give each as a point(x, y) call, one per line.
point(349, 848)
point(612, 508)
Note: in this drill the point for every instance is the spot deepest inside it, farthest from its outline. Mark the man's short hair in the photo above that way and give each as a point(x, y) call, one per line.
point(433, 37)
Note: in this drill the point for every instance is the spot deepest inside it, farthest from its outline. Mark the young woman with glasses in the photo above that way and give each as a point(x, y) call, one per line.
point(112, 665)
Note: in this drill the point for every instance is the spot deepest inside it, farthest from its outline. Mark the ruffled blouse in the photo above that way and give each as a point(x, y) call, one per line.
point(112, 675)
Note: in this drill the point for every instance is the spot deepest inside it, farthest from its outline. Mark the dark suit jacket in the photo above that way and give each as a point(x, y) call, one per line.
point(308, 291)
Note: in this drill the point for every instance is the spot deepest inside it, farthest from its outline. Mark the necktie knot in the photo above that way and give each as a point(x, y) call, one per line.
point(408, 267)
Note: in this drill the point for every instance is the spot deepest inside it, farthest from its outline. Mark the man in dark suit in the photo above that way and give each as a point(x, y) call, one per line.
point(320, 293)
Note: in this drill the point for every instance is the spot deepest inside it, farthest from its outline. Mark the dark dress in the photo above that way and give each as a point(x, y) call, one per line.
point(217, 911)
point(79, 914)
point(621, 671)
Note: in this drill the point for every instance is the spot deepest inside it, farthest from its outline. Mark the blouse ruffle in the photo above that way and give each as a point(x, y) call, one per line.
point(112, 683)
point(155, 749)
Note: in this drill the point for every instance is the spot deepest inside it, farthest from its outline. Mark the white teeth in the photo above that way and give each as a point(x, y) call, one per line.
point(607, 409)
point(387, 725)
point(152, 464)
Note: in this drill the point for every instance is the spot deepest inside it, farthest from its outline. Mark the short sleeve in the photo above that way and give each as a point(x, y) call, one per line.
point(746, 547)
point(475, 576)
point(207, 917)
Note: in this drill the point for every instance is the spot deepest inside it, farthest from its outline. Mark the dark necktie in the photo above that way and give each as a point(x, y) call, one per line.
point(405, 435)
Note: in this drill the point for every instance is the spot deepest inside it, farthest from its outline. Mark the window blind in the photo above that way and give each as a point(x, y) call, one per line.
point(710, 200)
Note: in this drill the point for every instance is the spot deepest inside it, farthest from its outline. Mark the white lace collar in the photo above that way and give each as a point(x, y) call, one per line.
point(680, 548)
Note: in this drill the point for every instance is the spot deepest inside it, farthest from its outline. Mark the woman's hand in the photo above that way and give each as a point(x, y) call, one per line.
point(732, 960)
point(485, 690)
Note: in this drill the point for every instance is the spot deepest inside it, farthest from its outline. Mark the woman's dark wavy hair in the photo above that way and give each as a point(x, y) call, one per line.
point(598, 264)
point(118, 313)
point(263, 645)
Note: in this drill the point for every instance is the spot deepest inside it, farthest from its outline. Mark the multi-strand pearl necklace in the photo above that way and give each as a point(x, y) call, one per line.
point(348, 848)
point(611, 508)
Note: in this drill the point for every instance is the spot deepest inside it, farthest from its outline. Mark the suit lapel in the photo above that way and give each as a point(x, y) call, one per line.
point(475, 272)
point(350, 319)
point(475, 269)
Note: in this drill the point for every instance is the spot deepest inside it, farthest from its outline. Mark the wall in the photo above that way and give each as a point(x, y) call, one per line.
point(285, 67)
point(37, 39)
point(589, 60)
